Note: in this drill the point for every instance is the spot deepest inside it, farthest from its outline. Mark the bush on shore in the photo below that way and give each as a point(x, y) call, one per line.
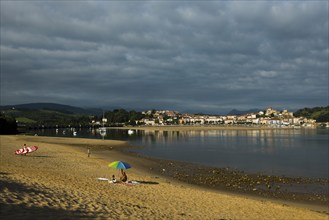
point(8, 125)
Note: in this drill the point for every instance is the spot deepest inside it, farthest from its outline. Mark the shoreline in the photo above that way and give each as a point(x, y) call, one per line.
point(205, 177)
point(263, 186)
point(196, 173)
point(199, 127)
point(65, 153)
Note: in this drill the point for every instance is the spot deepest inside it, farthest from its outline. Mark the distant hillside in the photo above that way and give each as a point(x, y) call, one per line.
point(67, 109)
point(238, 112)
point(49, 114)
point(320, 114)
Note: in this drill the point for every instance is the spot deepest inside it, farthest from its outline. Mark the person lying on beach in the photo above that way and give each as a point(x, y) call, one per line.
point(123, 177)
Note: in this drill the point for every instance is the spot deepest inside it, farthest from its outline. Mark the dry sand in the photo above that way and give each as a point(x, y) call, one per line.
point(59, 181)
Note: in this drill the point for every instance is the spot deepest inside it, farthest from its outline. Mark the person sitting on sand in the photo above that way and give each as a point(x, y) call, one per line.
point(113, 179)
point(25, 150)
point(123, 176)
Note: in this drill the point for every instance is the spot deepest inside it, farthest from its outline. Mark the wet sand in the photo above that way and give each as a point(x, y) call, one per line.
point(59, 181)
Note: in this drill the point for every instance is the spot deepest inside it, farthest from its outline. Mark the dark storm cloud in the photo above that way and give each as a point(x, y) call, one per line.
point(200, 56)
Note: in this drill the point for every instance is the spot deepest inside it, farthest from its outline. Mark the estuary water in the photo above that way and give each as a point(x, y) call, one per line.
point(299, 152)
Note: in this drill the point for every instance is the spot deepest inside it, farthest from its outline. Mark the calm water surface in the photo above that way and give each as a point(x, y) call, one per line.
point(290, 152)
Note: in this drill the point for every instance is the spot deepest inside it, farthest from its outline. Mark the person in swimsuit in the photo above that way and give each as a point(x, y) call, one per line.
point(123, 176)
point(25, 149)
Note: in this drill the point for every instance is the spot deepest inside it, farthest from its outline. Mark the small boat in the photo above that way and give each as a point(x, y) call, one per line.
point(130, 132)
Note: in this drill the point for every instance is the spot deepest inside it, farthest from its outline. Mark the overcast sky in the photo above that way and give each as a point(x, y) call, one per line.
point(197, 56)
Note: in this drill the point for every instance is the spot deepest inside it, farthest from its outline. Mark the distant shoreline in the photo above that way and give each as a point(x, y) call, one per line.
point(199, 127)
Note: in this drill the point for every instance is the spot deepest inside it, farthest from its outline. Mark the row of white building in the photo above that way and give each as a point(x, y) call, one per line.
point(270, 117)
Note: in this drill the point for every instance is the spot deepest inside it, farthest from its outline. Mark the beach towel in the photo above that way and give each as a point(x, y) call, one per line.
point(103, 179)
point(106, 179)
point(128, 183)
point(133, 182)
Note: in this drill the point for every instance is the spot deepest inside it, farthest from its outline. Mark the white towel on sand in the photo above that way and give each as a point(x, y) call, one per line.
point(101, 178)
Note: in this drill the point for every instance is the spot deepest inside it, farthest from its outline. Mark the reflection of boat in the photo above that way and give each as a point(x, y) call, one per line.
point(130, 131)
point(103, 128)
point(102, 131)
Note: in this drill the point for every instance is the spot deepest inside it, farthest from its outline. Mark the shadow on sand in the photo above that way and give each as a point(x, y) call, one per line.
point(9, 210)
point(148, 182)
point(42, 156)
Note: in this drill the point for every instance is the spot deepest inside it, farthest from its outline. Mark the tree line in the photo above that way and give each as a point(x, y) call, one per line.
point(122, 116)
point(8, 124)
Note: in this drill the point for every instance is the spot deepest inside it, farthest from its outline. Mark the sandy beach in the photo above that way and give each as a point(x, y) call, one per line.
point(59, 181)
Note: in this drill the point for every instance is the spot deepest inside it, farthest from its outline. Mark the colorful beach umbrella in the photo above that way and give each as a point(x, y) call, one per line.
point(119, 165)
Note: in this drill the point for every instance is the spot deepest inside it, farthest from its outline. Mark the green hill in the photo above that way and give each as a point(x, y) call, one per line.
point(320, 114)
point(67, 109)
point(46, 117)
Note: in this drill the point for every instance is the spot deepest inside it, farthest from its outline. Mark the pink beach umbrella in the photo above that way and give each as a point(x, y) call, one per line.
point(26, 150)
